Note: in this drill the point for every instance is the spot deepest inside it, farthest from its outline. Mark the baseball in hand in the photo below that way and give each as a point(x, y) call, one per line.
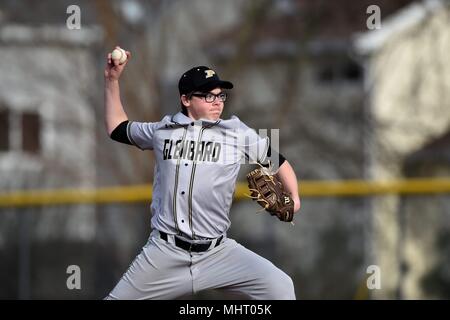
point(119, 54)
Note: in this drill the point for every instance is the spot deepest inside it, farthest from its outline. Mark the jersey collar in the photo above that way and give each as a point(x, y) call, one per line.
point(181, 119)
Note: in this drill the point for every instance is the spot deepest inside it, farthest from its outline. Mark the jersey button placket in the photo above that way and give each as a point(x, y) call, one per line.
point(182, 193)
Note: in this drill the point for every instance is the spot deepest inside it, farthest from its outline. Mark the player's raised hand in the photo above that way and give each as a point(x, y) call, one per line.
point(114, 67)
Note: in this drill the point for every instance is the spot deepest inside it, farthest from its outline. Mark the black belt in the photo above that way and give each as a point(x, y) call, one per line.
point(188, 246)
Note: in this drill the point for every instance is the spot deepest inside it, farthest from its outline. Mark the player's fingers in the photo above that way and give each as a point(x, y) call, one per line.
point(116, 62)
point(108, 58)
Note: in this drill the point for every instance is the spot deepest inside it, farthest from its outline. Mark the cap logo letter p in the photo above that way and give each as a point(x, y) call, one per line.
point(209, 73)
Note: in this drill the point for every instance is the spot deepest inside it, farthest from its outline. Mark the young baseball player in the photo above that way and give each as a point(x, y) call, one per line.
point(198, 156)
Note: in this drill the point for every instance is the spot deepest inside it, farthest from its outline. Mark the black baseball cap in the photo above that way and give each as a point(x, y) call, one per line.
point(201, 79)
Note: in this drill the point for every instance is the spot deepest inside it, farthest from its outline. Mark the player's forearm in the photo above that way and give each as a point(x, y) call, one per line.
point(114, 112)
point(288, 178)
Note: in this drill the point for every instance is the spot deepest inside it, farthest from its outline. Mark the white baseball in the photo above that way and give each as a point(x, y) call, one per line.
point(119, 54)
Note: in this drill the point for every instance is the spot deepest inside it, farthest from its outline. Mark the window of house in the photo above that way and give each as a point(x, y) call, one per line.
point(31, 132)
point(351, 71)
point(4, 130)
point(339, 70)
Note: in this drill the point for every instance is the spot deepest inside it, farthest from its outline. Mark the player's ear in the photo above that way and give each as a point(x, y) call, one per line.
point(185, 101)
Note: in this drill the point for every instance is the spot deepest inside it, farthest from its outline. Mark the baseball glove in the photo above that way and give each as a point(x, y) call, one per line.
point(269, 192)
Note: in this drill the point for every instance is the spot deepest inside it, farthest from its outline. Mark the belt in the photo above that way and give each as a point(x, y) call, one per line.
point(191, 247)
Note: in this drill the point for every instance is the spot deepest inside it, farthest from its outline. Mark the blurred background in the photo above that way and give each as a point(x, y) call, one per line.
point(351, 103)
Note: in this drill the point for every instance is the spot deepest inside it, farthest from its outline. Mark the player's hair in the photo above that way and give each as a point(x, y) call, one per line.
point(183, 109)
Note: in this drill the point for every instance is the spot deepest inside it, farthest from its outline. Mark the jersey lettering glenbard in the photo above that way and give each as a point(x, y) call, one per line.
point(204, 151)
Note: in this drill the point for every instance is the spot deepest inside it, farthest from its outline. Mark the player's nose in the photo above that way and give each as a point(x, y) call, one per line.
point(217, 102)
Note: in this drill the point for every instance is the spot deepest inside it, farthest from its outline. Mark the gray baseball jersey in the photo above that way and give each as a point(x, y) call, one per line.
point(197, 164)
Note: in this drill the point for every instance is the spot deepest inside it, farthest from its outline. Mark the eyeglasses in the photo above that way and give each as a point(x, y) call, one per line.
point(211, 97)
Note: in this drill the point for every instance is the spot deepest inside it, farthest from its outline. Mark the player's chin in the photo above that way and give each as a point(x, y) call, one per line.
point(215, 114)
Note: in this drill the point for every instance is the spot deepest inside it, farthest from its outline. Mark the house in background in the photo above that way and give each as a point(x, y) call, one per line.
point(408, 83)
point(47, 140)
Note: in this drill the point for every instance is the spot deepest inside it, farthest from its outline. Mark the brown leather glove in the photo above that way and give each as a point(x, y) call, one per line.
point(269, 192)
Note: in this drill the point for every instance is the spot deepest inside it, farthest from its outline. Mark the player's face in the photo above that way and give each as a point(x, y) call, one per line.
point(199, 106)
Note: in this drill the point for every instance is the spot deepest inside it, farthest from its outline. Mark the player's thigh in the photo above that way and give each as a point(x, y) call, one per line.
point(158, 272)
point(240, 270)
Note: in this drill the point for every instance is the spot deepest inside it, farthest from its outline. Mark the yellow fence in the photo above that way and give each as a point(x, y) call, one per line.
point(140, 193)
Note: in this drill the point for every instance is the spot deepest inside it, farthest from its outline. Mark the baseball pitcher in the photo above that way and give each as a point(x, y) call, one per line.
point(198, 156)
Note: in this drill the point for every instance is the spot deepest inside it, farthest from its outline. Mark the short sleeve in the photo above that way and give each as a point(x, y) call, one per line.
point(254, 146)
point(141, 134)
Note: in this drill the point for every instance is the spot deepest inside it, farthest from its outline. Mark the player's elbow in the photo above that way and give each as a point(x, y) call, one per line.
point(120, 133)
point(112, 125)
point(109, 129)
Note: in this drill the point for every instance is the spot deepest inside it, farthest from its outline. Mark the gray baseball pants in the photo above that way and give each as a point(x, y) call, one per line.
point(165, 271)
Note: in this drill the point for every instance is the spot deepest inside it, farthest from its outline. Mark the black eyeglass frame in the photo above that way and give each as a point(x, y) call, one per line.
point(205, 94)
